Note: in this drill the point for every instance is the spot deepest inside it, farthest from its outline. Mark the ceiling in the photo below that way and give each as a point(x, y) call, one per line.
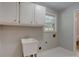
point(58, 6)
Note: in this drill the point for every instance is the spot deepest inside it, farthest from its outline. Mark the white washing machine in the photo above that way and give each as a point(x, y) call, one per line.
point(30, 47)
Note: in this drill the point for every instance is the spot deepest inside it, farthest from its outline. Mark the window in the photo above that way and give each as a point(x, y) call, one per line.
point(50, 23)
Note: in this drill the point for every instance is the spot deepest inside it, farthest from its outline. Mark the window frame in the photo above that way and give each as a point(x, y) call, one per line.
point(52, 14)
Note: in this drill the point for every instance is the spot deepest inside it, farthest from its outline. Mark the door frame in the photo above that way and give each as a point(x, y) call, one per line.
point(74, 32)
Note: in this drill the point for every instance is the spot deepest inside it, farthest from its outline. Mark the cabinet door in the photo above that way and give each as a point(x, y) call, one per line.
point(8, 12)
point(39, 14)
point(26, 13)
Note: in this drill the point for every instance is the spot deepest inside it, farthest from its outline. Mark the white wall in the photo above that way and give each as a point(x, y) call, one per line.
point(48, 36)
point(51, 42)
point(66, 24)
point(10, 44)
point(10, 36)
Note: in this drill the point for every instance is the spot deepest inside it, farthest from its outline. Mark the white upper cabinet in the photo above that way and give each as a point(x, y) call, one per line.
point(23, 13)
point(31, 14)
point(39, 14)
point(26, 13)
point(8, 13)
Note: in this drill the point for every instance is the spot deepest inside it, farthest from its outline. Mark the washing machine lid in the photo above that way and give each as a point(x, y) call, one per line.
point(28, 40)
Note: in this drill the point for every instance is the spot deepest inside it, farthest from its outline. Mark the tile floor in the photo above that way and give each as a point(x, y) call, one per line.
point(56, 52)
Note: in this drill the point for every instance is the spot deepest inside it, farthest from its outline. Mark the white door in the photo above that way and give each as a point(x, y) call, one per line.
point(39, 14)
point(26, 13)
point(8, 12)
